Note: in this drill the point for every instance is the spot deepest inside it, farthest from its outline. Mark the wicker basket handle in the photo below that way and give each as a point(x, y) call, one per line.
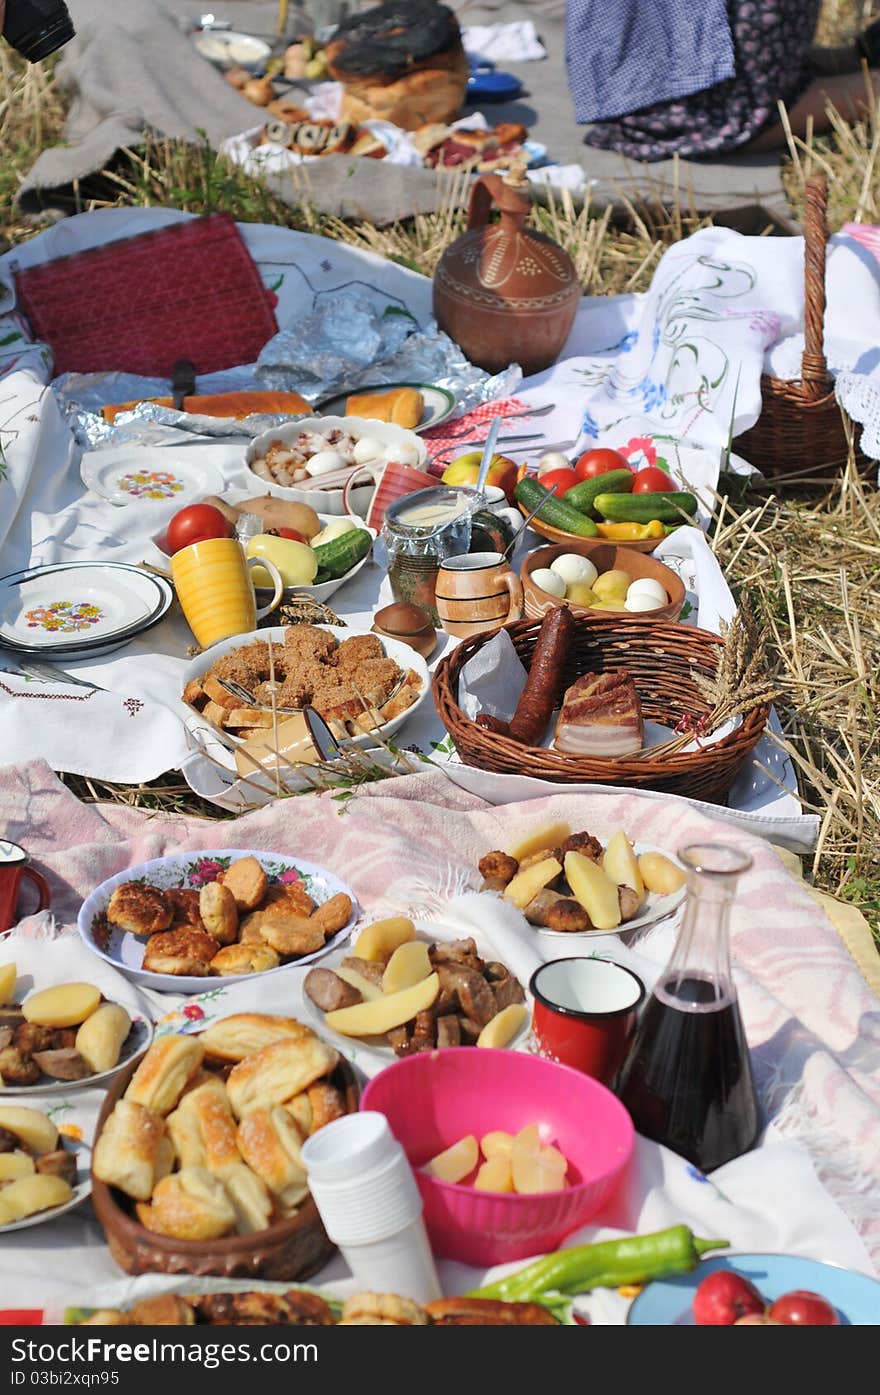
point(814, 368)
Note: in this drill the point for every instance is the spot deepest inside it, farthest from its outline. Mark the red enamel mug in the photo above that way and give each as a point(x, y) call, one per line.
point(585, 1013)
point(13, 867)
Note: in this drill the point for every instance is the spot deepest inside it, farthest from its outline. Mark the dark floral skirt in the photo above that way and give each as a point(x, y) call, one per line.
point(771, 40)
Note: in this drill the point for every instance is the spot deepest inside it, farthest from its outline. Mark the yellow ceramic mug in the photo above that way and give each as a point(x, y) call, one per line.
point(215, 590)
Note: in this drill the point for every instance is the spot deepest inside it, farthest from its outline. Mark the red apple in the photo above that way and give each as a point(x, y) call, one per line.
point(465, 469)
point(724, 1297)
point(800, 1308)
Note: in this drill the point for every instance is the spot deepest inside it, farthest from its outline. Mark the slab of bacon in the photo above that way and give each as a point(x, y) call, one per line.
point(601, 716)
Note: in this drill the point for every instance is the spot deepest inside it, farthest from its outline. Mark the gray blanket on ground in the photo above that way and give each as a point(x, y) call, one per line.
point(132, 68)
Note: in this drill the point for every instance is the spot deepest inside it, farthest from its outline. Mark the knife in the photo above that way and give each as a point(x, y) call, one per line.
point(33, 668)
point(183, 382)
point(324, 741)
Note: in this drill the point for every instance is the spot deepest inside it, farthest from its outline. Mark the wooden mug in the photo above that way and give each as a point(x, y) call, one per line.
point(478, 591)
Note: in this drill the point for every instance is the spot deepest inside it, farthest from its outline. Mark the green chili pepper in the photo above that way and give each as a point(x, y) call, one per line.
point(632, 1260)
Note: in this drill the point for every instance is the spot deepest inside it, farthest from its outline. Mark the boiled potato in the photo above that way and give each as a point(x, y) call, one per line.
point(36, 1131)
point(495, 1175)
point(579, 593)
point(660, 874)
point(8, 977)
point(336, 529)
point(66, 1005)
point(611, 586)
point(504, 1026)
point(550, 835)
point(28, 1195)
point(526, 884)
point(543, 1171)
point(13, 1165)
point(621, 864)
point(456, 1162)
point(99, 1039)
point(229, 511)
point(382, 1015)
point(496, 1144)
point(378, 941)
point(368, 991)
point(408, 965)
point(594, 890)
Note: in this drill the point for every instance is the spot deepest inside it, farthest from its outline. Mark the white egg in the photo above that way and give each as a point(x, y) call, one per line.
point(548, 581)
point(367, 449)
point(402, 454)
point(647, 586)
point(572, 567)
point(553, 460)
point(642, 602)
point(325, 462)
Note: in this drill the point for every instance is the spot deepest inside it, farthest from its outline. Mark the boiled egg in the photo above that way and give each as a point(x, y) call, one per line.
point(642, 602)
point(325, 462)
point(549, 581)
point(647, 586)
point(367, 449)
point(574, 568)
point(402, 454)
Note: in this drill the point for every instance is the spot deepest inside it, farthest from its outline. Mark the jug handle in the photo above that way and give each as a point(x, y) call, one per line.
point(515, 587)
point(484, 193)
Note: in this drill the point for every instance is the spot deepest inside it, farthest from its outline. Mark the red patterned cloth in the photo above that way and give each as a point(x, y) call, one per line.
point(446, 439)
point(188, 291)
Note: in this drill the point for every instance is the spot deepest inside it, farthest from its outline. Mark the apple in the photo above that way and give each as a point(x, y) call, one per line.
point(724, 1297)
point(757, 1320)
point(465, 469)
point(800, 1308)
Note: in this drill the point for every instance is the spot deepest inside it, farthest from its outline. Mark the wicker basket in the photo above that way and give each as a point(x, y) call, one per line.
point(800, 431)
point(661, 658)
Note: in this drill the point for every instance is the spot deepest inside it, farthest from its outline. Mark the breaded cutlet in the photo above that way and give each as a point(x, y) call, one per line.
point(308, 642)
point(357, 650)
point(248, 665)
point(375, 679)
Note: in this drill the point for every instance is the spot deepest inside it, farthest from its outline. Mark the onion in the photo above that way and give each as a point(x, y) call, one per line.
point(553, 460)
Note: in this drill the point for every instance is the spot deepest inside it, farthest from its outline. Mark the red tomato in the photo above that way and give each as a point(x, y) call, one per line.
point(292, 534)
point(196, 523)
point(599, 462)
point(652, 480)
point(800, 1308)
point(563, 479)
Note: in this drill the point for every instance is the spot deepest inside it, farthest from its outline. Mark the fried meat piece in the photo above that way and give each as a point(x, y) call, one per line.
point(555, 912)
point(296, 690)
point(139, 908)
point(333, 914)
point(289, 934)
point(292, 894)
point(308, 642)
point(248, 666)
point(60, 1163)
point(16, 1069)
point(375, 679)
point(500, 865)
point(30, 1037)
point(583, 843)
point(183, 951)
point(382, 1308)
point(263, 1309)
point(184, 902)
point(166, 1310)
point(357, 650)
point(487, 1312)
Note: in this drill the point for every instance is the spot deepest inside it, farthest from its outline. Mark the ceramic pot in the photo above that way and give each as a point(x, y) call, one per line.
point(479, 591)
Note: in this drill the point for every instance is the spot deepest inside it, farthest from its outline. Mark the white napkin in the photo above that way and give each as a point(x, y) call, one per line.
point(108, 736)
point(516, 42)
point(492, 680)
point(44, 955)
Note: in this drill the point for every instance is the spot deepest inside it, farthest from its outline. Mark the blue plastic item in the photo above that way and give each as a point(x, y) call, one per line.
point(488, 85)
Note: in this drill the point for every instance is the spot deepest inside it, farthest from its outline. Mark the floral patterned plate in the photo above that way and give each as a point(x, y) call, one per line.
point(144, 476)
point(70, 609)
point(75, 1123)
point(193, 869)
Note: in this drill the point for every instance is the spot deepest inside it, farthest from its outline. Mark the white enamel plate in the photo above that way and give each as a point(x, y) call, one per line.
point(75, 607)
point(143, 475)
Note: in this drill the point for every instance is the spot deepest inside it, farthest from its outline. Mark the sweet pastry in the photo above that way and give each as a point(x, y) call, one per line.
point(133, 1151)
point(291, 934)
point(192, 1205)
point(250, 1197)
point(270, 1143)
point(403, 406)
point(140, 909)
point(182, 951)
point(219, 912)
point(244, 959)
point(162, 1075)
point(247, 881)
point(601, 716)
point(242, 1033)
point(320, 1104)
point(382, 1310)
point(334, 914)
point(278, 1072)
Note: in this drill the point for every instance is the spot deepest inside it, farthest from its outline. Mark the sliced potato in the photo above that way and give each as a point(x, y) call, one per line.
point(100, 1037)
point(496, 1144)
point(538, 1172)
point(660, 874)
point(550, 835)
point(621, 864)
point(66, 1005)
point(36, 1130)
point(368, 991)
point(504, 1026)
point(495, 1175)
point(27, 1195)
point(409, 964)
point(594, 890)
point(526, 884)
point(379, 940)
point(456, 1162)
point(14, 1165)
point(385, 1013)
point(8, 977)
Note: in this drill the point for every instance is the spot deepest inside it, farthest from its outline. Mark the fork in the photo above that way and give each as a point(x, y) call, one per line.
point(237, 690)
point(508, 416)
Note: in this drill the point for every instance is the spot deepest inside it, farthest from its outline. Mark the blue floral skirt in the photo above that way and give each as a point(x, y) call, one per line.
point(771, 40)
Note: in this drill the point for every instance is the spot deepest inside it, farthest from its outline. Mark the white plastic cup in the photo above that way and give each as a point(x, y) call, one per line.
point(369, 1201)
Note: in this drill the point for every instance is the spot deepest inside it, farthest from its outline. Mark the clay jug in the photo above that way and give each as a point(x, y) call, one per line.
point(504, 292)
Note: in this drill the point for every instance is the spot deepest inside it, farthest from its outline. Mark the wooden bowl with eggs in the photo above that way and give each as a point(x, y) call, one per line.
point(591, 559)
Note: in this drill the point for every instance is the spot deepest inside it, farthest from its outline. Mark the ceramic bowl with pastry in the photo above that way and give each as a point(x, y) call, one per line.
point(598, 577)
point(196, 1166)
point(199, 920)
point(62, 1036)
point(44, 1162)
point(309, 461)
point(360, 683)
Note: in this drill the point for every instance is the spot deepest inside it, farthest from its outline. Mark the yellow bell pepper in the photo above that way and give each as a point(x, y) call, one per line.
point(296, 562)
point(631, 532)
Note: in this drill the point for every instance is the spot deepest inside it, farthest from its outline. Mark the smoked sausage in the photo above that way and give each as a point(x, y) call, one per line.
point(538, 697)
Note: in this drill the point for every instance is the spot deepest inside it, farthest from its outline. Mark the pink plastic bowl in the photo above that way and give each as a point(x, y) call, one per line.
point(433, 1099)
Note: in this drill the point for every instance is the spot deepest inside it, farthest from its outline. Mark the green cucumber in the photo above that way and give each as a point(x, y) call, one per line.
point(581, 496)
point(341, 554)
point(529, 492)
point(641, 508)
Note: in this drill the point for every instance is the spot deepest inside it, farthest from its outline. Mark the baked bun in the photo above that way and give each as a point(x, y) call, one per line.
point(139, 909)
point(247, 881)
point(165, 1310)
point(382, 1310)
point(235, 405)
point(184, 902)
point(244, 959)
point(162, 1075)
point(278, 1072)
point(219, 912)
point(290, 935)
point(133, 1151)
point(192, 1205)
point(182, 951)
point(242, 1033)
point(402, 406)
point(293, 895)
point(250, 1197)
point(270, 1144)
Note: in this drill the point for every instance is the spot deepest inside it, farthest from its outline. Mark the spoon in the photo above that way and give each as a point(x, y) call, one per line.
point(551, 489)
point(488, 452)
